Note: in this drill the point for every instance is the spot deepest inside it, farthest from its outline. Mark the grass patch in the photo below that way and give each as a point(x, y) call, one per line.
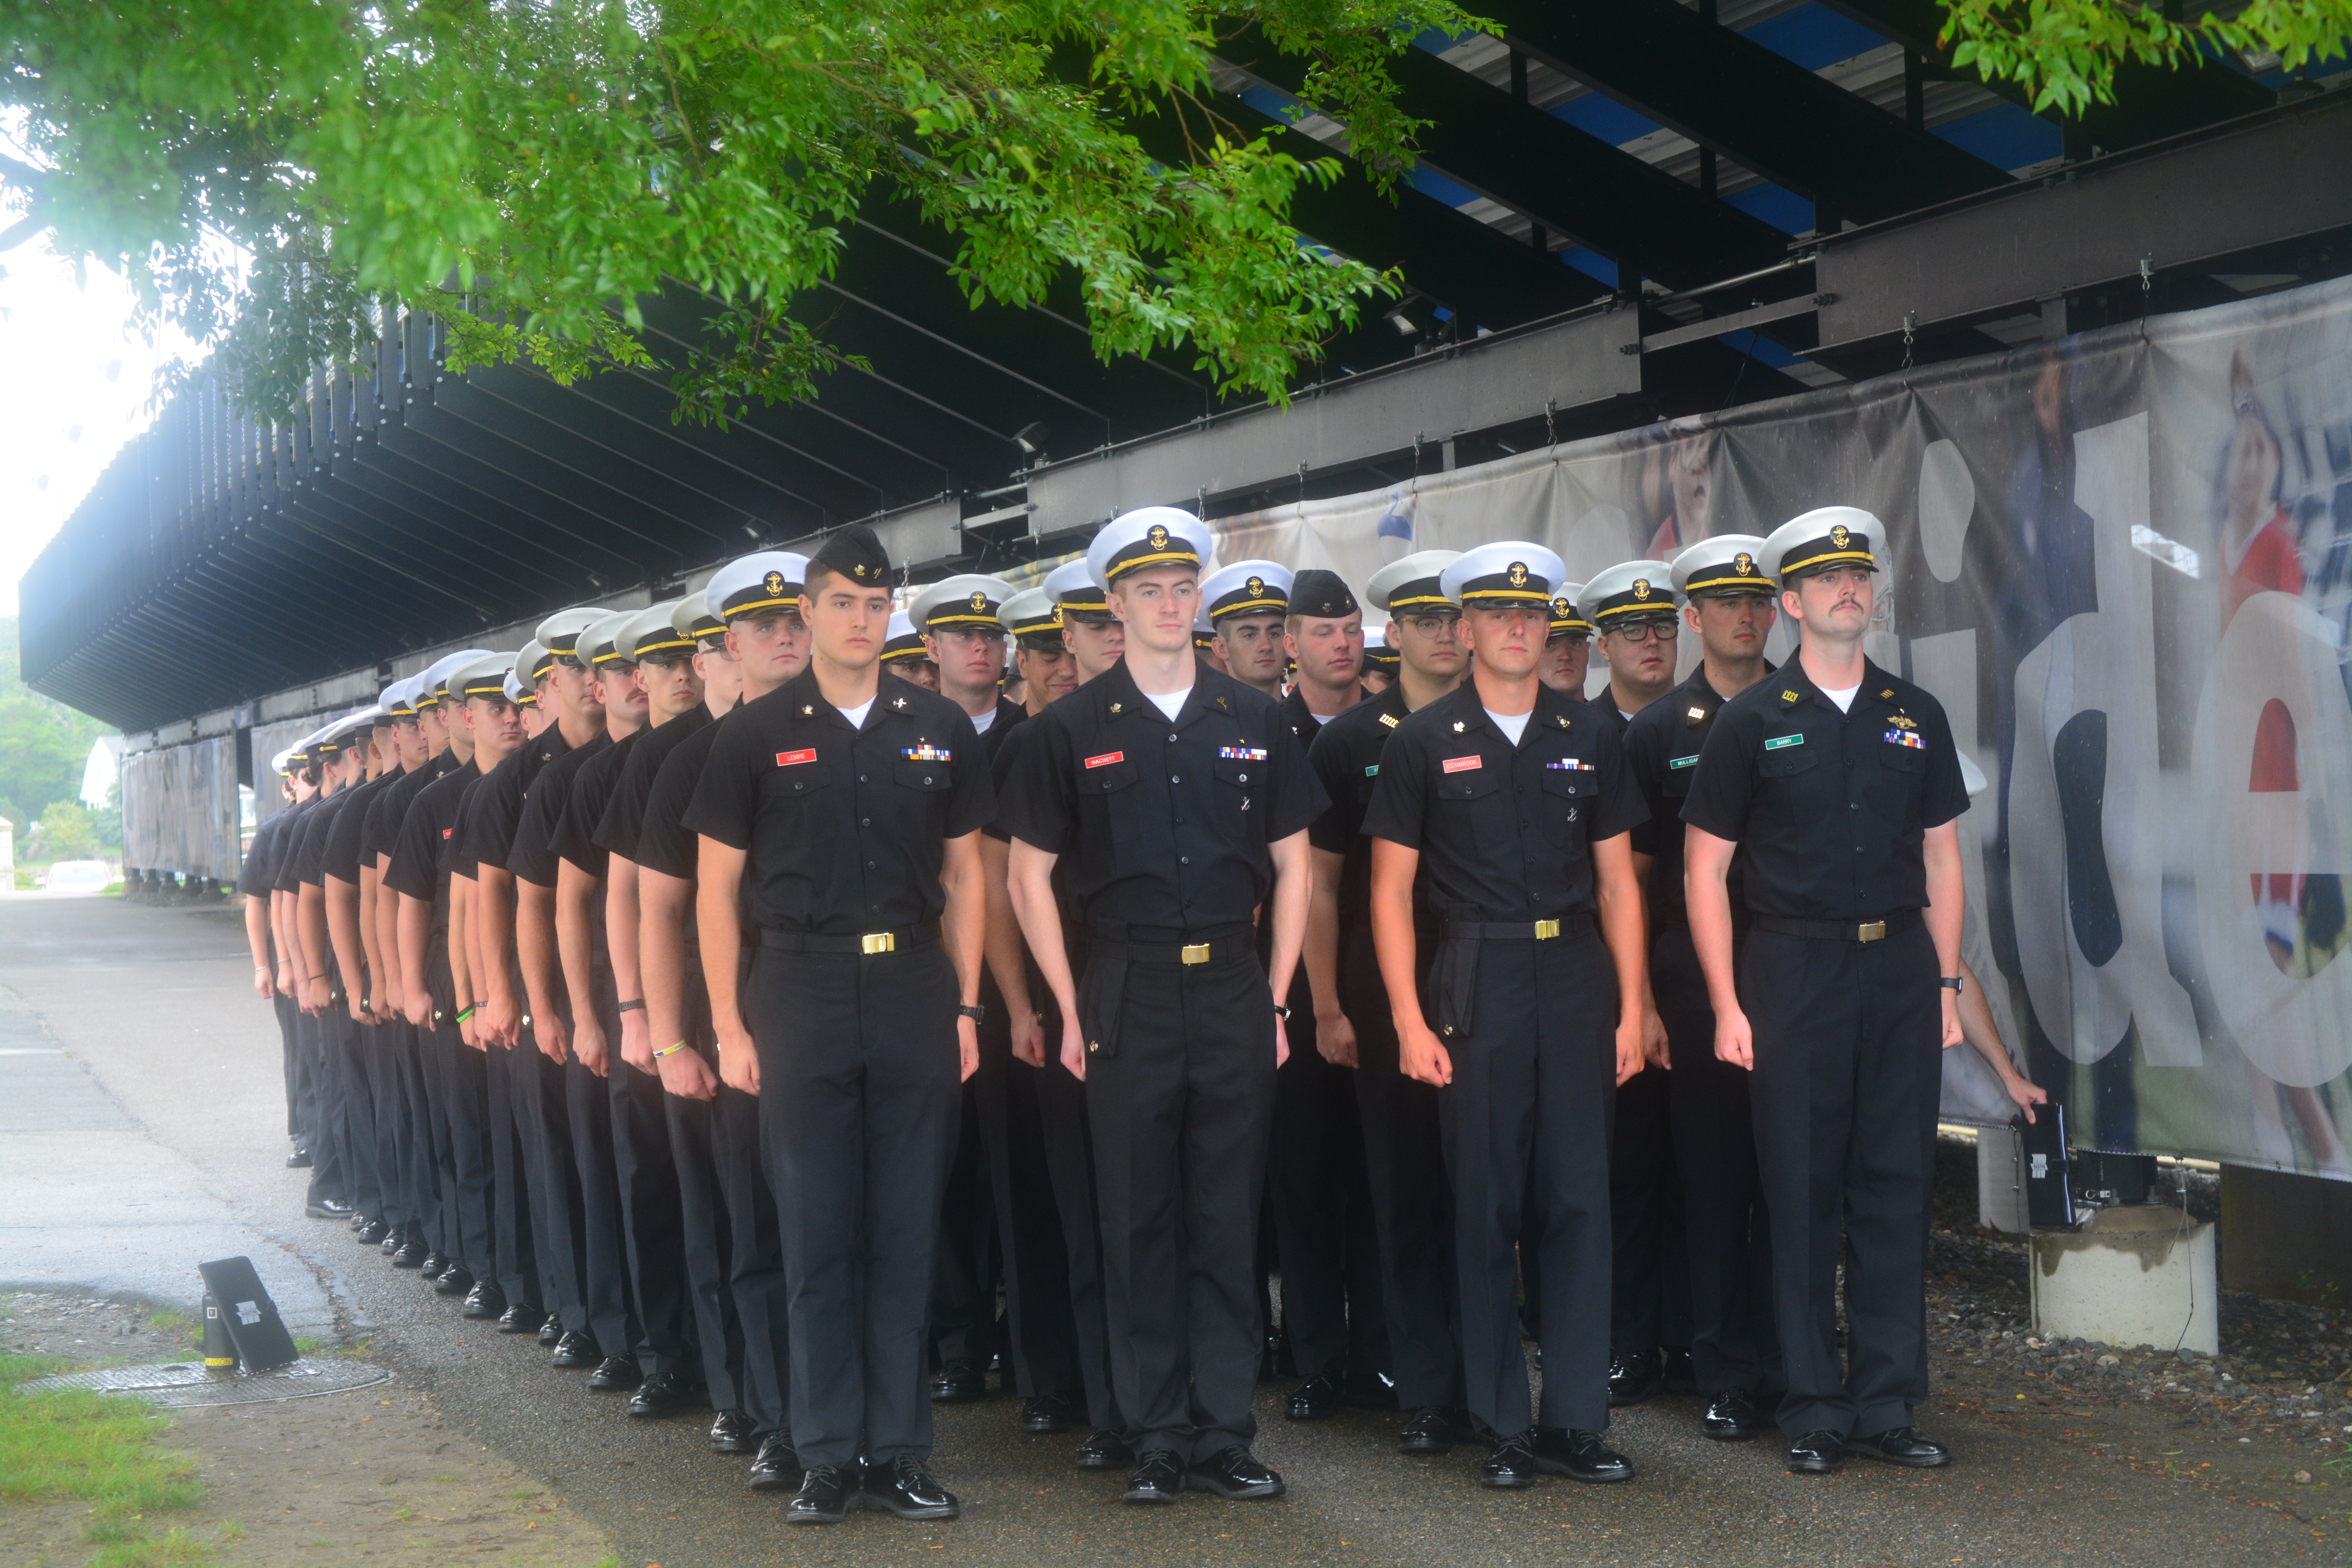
point(72, 1444)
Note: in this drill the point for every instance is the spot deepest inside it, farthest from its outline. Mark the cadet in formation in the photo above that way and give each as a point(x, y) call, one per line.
point(741, 994)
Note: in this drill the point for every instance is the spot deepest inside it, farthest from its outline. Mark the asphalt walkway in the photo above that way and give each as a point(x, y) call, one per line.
point(156, 1138)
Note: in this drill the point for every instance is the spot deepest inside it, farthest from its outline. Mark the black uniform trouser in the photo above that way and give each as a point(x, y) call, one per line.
point(513, 1208)
point(858, 1098)
point(388, 1095)
point(420, 1170)
point(1848, 1067)
point(1181, 1097)
point(963, 1278)
point(1733, 1346)
point(734, 1266)
point(605, 1251)
point(331, 1176)
point(1528, 1112)
point(1039, 1332)
point(1325, 1239)
point(543, 1133)
point(648, 1178)
point(1411, 1201)
point(283, 1005)
point(1069, 1153)
point(1650, 1268)
point(354, 1108)
point(471, 1197)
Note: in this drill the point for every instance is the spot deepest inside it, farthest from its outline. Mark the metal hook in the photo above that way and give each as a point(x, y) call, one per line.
point(1910, 326)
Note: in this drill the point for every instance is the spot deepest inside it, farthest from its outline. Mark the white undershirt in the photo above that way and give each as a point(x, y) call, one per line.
point(1512, 725)
point(857, 715)
point(980, 725)
point(1170, 703)
point(1841, 696)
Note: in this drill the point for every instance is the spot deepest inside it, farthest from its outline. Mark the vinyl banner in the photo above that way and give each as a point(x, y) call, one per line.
point(180, 810)
point(2123, 561)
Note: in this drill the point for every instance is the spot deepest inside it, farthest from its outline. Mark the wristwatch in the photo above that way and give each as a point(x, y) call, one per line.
point(1955, 983)
point(1282, 1011)
point(973, 1011)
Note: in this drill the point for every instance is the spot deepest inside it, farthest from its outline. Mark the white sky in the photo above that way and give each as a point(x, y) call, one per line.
point(75, 384)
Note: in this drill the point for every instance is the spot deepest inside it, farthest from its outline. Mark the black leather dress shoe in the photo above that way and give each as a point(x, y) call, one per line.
point(1817, 1454)
point(1234, 1475)
point(485, 1301)
point(1580, 1455)
point(1676, 1371)
point(371, 1233)
point(1317, 1399)
point(434, 1265)
point(327, 1208)
point(1159, 1477)
point(409, 1254)
point(1372, 1390)
point(1633, 1376)
point(1512, 1464)
point(1105, 1449)
point(522, 1318)
point(1046, 1414)
point(958, 1383)
point(576, 1348)
point(1734, 1417)
point(550, 1331)
point(731, 1432)
point(614, 1375)
point(662, 1394)
point(1431, 1430)
point(394, 1239)
point(775, 1467)
point(1904, 1445)
point(904, 1486)
point(298, 1161)
point(457, 1281)
point(827, 1494)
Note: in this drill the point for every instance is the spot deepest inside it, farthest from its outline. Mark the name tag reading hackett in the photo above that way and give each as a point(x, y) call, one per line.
point(1105, 758)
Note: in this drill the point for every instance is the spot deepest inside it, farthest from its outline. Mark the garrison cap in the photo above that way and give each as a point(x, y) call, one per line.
point(484, 676)
point(968, 599)
point(1726, 565)
point(1245, 588)
point(1322, 594)
point(533, 662)
point(1825, 536)
point(693, 616)
point(1075, 592)
point(519, 694)
point(560, 631)
point(905, 643)
point(1505, 571)
point(1566, 620)
point(1032, 617)
point(1630, 590)
point(1150, 536)
point(595, 645)
point(857, 554)
point(432, 686)
point(759, 584)
point(1409, 587)
point(653, 630)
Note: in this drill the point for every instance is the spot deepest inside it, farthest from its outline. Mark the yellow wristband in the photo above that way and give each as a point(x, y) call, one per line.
point(669, 1050)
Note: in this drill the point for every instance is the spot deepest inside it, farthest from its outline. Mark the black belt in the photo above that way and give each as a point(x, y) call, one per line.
point(1519, 930)
point(1112, 940)
point(868, 943)
point(1893, 924)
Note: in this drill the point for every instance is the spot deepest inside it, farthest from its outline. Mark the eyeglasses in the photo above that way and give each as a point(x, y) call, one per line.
point(1642, 631)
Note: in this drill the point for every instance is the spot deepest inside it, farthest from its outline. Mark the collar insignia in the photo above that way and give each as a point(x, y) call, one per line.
point(1457, 726)
point(1389, 720)
point(1888, 692)
point(807, 710)
point(899, 703)
point(1787, 696)
point(1560, 720)
point(1118, 707)
point(1698, 713)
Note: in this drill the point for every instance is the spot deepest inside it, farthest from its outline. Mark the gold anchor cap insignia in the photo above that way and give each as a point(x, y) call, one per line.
point(1839, 536)
point(1159, 537)
point(1744, 564)
point(773, 582)
point(1518, 575)
point(979, 601)
point(1641, 587)
point(1257, 586)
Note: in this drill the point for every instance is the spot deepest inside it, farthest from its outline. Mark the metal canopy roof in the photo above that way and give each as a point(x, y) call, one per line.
point(1596, 153)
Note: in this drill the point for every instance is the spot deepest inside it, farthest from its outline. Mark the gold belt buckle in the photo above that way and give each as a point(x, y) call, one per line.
point(879, 941)
point(1546, 930)
point(1195, 952)
point(1871, 930)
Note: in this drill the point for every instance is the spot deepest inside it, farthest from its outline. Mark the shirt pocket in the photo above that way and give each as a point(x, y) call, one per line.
point(1240, 781)
point(1116, 785)
point(1675, 785)
point(935, 777)
point(1790, 772)
point(800, 781)
point(1568, 797)
point(1471, 804)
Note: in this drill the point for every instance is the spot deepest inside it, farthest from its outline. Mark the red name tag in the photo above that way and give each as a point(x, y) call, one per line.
point(793, 759)
point(1105, 758)
point(1463, 764)
point(446, 831)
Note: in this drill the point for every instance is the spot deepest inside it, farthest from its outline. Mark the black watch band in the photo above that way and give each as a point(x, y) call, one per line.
point(975, 1012)
point(1955, 983)
point(1282, 1011)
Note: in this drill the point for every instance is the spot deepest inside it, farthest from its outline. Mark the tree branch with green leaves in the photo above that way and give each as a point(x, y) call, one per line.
point(2065, 51)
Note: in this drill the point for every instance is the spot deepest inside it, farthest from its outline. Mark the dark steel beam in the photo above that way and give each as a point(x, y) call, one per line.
point(1747, 103)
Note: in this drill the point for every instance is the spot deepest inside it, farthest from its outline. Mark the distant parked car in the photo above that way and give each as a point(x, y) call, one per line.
point(80, 876)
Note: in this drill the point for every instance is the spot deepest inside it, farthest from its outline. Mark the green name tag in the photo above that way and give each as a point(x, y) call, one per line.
point(1689, 762)
point(1373, 770)
point(1777, 742)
